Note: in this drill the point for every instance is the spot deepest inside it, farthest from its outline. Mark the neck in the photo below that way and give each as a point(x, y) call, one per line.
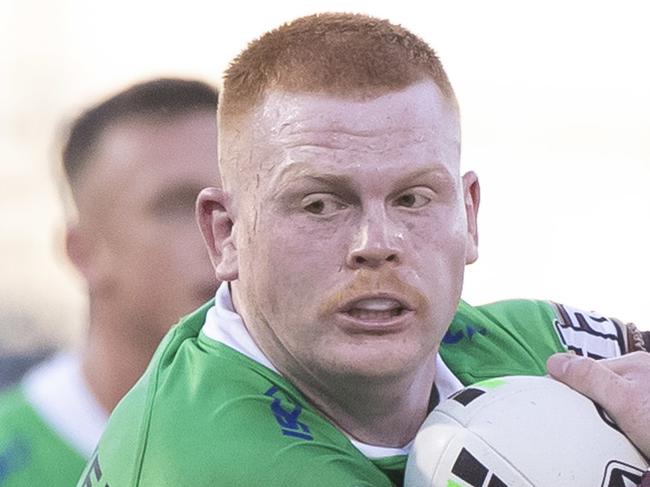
point(387, 412)
point(111, 363)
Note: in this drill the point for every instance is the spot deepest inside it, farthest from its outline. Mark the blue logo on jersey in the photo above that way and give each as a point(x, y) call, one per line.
point(14, 457)
point(451, 337)
point(288, 420)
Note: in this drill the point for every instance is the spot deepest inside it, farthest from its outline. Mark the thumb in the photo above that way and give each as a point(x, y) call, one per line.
point(589, 377)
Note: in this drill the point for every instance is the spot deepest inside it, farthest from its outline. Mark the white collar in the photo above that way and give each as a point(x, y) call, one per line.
point(58, 393)
point(224, 325)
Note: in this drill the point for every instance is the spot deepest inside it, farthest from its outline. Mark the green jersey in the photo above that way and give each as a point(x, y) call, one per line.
point(49, 426)
point(211, 410)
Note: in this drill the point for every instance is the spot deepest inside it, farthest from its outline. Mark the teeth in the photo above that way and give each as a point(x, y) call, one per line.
point(377, 304)
point(366, 315)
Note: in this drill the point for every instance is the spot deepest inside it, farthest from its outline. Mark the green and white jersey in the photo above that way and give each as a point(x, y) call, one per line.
point(49, 426)
point(212, 410)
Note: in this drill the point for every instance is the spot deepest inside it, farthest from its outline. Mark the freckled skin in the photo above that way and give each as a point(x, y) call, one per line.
point(355, 199)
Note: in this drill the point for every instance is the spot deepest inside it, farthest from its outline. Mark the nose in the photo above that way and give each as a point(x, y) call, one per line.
point(376, 243)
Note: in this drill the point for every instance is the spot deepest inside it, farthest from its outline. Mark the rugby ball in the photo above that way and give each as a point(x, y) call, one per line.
point(521, 431)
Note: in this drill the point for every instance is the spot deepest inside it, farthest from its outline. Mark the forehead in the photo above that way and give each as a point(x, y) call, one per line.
point(139, 155)
point(158, 144)
point(416, 122)
point(418, 104)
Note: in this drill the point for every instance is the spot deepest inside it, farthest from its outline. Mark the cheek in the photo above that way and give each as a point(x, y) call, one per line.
point(296, 260)
point(302, 238)
point(444, 231)
point(436, 251)
point(285, 250)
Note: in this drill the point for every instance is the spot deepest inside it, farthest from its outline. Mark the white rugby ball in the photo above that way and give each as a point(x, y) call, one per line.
point(521, 431)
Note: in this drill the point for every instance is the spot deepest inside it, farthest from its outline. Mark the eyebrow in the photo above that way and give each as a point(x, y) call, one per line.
point(331, 180)
point(334, 180)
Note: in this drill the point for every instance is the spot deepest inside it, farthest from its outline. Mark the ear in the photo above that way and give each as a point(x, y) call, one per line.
point(472, 199)
point(78, 249)
point(214, 218)
point(89, 256)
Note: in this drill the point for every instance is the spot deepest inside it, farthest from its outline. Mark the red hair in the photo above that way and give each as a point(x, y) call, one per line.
point(348, 55)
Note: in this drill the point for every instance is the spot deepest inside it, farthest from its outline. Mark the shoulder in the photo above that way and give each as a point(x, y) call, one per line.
point(521, 316)
point(207, 415)
point(16, 412)
point(517, 336)
point(12, 401)
point(252, 428)
point(30, 450)
point(119, 455)
point(512, 337)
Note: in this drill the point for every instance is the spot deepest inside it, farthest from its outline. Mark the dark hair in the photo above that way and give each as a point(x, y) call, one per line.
point(163, 97)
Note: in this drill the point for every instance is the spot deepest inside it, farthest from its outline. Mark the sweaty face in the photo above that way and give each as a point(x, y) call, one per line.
point(352, 232)
point(137, 199)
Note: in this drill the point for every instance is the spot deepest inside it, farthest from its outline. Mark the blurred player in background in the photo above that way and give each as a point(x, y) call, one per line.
point(134, 165)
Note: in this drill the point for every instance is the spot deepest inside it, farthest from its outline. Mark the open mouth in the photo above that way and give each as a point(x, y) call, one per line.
point(375, 309)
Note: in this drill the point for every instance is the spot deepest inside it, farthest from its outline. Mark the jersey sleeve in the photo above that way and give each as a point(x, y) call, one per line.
point(593, 335)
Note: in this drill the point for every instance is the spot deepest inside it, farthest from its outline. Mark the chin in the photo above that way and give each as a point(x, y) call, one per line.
point(380, 363)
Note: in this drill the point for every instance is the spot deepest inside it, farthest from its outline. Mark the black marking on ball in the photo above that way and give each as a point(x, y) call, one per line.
point(496, 482)
point(469, 469)
point(467, 395)
point(619, 474)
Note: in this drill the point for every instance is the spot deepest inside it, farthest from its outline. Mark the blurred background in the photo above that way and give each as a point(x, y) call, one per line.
point(555, 104)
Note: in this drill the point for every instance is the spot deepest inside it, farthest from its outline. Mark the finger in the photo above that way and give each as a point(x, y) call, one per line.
point(591, 378)
point(632, 362)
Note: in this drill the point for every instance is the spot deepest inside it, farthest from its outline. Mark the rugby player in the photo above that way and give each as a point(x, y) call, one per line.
point(134, 164)
point(341, 233)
